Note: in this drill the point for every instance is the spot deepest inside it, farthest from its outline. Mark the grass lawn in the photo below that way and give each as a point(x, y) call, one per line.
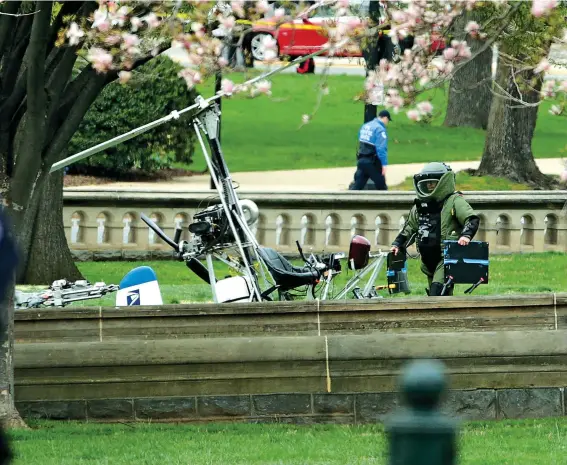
point(466, 182)
point(509, 274)
point(263, 133)
point(527, 442)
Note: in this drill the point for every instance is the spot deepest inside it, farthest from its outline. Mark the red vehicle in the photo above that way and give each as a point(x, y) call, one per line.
point(304, 36)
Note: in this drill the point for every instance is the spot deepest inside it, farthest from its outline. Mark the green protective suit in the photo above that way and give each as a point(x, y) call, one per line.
point(456, 219)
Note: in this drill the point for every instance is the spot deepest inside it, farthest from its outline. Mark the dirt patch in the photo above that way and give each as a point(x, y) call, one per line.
point(72, 180)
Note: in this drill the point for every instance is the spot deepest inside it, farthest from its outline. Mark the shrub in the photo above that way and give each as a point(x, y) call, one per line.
point(153, 92)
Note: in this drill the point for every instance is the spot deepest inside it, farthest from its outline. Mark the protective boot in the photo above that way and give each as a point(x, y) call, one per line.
point(435, 289)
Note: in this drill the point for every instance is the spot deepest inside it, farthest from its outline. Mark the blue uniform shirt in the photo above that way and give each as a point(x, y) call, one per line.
point(373, 139)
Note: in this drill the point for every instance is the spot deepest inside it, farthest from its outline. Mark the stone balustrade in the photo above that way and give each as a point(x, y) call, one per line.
point(107, 222)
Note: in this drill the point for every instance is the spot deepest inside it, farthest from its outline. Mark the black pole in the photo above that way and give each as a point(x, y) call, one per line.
point(218, 80)
point(371, 52)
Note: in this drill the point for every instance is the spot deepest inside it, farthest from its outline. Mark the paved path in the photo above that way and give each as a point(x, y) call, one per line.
point(310, 180)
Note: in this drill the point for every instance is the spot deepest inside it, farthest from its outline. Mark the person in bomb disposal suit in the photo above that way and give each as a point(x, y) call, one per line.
point(8, 263)
point(372, 153)
point(440, 213)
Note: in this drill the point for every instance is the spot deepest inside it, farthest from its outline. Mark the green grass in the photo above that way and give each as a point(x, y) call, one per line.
point(527, 442)
point(509, 274)
point(466, 182)
point(263, 133)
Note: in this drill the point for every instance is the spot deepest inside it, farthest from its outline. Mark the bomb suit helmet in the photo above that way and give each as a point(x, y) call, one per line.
point(435, 181)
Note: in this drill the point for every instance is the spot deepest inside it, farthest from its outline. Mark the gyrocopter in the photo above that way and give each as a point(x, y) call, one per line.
point(223, 232)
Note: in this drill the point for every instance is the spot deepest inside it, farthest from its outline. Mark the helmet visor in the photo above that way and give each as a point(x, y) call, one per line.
point(427, 186)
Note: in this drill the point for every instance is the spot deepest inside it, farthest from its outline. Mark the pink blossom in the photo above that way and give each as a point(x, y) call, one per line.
point(262, 6)
point(563, 86)
point(130, 40)
point(151, 20)
point(124, 76)
point(422, 41)
point(470, 4)
point(269, 43)
point(227, 23)
point(198, 29)
point(543, 66)
point(100, 59)
point(414, 115)
point(74, 33)
point(195, 59)
point(353, 23)
point(425, 108)
point(101, 21)
point(555, 110)
point(112, 39)
point(270, 55)
point(237, 7)
point(398, 16)
point(120, 17)
point(222, 61)
point(279, 13)
point(472, 28)
point(430, 17)
point(543, 7)
point(449, 53)
point(547, 89)
point(263, 87)
point(191, 77)
point(135, 23)
point(343, 3)
point(227, 86)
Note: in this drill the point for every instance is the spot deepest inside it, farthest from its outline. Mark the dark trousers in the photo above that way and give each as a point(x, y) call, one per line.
point(369, 168)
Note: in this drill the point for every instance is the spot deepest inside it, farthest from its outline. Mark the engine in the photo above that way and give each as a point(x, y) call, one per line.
point(211, 227)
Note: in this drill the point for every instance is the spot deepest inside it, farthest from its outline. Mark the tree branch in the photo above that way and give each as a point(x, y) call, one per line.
point(61, 138)
point(72, 114)
point(7, 24)
point(56, 84)
point(28, 160)
point(68, 8)
point(12, 63)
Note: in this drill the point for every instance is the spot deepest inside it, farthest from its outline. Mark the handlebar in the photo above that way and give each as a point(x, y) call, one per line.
point(300, 251)
point(173, 244)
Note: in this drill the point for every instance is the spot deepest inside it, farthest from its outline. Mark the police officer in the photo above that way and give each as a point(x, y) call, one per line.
point(439, 214)
point(372, 153)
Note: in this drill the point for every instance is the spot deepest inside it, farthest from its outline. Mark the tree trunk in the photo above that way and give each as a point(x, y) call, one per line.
point(9, 416)
point(511, 125)
point(49, 257)
point(470, 93)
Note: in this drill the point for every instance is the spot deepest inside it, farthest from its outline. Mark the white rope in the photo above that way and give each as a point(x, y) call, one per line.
point(555, 308)
point(327, 364)
point(100, 324)
point(318, 319)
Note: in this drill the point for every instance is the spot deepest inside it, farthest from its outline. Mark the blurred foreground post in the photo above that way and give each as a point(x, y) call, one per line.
point(419, 434)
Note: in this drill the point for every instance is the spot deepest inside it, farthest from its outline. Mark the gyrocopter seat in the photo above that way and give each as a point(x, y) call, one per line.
point(286, 275)
point(359, 252)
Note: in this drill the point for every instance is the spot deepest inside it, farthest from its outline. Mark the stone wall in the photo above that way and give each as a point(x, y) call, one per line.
point(106, 224)
point(348, 408)
point(296, 362)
